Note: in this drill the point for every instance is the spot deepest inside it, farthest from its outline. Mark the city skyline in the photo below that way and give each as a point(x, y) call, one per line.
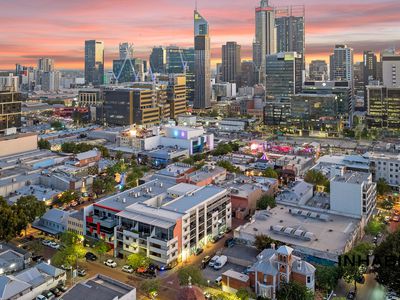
point(58, 30)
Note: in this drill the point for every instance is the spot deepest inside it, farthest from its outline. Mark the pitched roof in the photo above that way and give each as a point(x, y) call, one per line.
point(11, 286)
point(284, 250)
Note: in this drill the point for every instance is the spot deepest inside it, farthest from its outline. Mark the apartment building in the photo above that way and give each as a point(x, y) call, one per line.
point(385, 166)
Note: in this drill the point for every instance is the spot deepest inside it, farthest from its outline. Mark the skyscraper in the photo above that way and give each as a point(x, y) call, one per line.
point(158, 59)
point(290, 33)
point(369, 66)
point(391, 69)
point(202, 90)
point(126, 50)
point(283, 74)
point(318, 70)
point(46, 64)
point(231, 62)
point(265, 35)
point(341, 64)
point(94, 62)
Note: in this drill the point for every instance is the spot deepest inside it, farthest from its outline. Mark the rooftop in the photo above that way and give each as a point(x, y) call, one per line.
point(352, 177)
point(330, 238)
point(205, 173)
point(175, 170)
point(99, 287)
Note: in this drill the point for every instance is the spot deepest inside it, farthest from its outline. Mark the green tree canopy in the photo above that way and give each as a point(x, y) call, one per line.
point(228, 166)
point(263, 241)
point(382, 187)
point(266, 201)
point(101, 247)
point(138, 260)
point(270, 173)
point(327, 277)
point(294, 291)
point(195, 274)
point(387, 273)
point(44, 144)
point(316, 177)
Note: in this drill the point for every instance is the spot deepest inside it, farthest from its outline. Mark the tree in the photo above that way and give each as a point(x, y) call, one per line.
point(353, 272)
point(57, 125)
point(69, 238)
point(68, 196)
point(8, 223)
point(374, 226)
point(243, 294)
point(266, 201)
point(270, 173)
point(228, 166)
point(101, 247)
point(382, 187)
point(386, 255)
point(191, 271)
point(119, 155)
point(104, 185)
point(29, 208)
point(327, 277)
point(150, 286)
point(44, 144)
point(294, 291)
point(263, 241)
point(138, 260)
point(222, 149)
point(316, 177)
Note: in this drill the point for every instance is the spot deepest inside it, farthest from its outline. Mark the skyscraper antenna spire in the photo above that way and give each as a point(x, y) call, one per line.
point(195, 4)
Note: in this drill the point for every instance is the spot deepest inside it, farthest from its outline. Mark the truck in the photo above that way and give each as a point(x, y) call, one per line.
point(221, 261)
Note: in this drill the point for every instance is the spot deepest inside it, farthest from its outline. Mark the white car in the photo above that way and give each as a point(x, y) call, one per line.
point(110, 263)
point(46, 242)
point(127, 269)
point(54, 245)
point(218, 281)
point(41, 297)
point(213, 260)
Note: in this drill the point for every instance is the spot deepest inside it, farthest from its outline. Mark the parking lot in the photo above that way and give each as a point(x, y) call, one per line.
point(211, 274)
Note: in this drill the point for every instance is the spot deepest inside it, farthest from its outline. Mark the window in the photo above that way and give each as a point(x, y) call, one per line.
point(308, 279)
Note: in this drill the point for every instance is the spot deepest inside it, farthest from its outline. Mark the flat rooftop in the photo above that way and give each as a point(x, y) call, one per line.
point(175, 170)
point(330, 236)
point(352, 177)
point(100, 288)
point(205, 173)
point(186, 203)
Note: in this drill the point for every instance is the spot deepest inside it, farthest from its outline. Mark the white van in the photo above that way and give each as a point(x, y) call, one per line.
point(221, 261)
point(218, 281)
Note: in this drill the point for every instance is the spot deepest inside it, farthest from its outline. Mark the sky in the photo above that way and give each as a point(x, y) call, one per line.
point(58, 28)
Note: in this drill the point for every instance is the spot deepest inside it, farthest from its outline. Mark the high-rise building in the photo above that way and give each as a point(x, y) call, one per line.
point(369, 66)
point(383, 107)
point(265, 42)
point(231, 62)
point(247, 74)
point(177, 94)
point(283, 74)
point(341, 64)
point(391, 69)
point(181, 61)
point(318, 70)
point(129, 106)
point(290, 29)
point(9, 83)
point(10, 110)
point(46, 64)
point(126, 50)
point(158, 59)
point(94, 62)
point(202, 89)
point(129, 70)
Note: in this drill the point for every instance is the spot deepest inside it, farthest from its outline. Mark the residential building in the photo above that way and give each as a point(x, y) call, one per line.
point(30, 283)
point(94, 62)
point(13, 259)
point(53, 222)
point(9, 83)
point(318, 70)
point(76, 222)
point(391, 69)
point(100, 287)
point(126, 50)
point(283, 74)
point(353, 194)
point(341, 64)
point(46, 64)
point(386, 166)
point(174, 230)
point(265, 38)
point(177, 95)
point(10, 110)
point(202, 96)
point(383, 107)
point(290, 30)
point(231, 59)
point(276, 267)
point(128, 106)
point(158, 60)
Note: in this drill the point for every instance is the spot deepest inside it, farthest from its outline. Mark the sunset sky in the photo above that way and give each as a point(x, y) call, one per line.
point(58, 28)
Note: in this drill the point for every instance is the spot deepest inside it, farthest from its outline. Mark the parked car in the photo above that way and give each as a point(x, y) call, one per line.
point(230, 242)
point(40, 297)
point(54, 245)
point(228, 230)
point(127, 269)
point(37, 258)
point(90, 256)
point(213, 260)
point(351, 295)
point(168, 266)
point(216, 238)
point(198, 251)
point(221, 261)
point(66, 267)
point(205, 261)
point(46, 242)
point(49, 295)
point(81, 272)
point(110, 263)
point(56, 291)
point(218, 280)
point(62, 288)
point(146, 274)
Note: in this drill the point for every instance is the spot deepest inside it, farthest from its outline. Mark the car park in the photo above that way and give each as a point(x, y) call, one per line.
point(110, 263)
point(213, 260)
point(127, 269)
